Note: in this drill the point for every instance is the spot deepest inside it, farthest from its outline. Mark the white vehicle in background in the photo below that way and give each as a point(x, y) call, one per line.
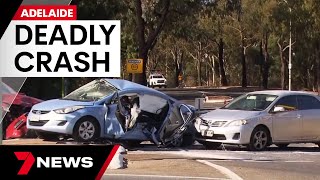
point(157, 80)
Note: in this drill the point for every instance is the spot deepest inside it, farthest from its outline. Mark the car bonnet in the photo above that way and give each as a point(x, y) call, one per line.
point(228, 115)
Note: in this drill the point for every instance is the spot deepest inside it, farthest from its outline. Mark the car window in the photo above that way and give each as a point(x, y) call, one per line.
point(158, 76)
point(251, 102)
point(93, 91)
point(308, 102)
point(288, 102)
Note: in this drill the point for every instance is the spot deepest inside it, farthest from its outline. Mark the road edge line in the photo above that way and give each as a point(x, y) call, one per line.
point(222, 169)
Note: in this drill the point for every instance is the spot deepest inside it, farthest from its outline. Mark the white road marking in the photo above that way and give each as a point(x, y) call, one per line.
point(167, 177)
point(257, 161)
point(299, 161)
point(222, 169)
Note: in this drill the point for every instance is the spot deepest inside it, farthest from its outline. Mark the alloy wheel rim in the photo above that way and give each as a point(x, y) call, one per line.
point(260, 140)
point(86, 130)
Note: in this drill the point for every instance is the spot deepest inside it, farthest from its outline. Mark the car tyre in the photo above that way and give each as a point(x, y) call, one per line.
point(86, 130)
point(260, 139)
point(210, 145)
point(282, 146)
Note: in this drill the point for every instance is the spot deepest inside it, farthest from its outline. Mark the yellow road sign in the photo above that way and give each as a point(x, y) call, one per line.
point(134, 65)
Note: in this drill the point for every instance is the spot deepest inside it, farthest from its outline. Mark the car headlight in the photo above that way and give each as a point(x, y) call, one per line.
point(238, 123)
point(68, 109)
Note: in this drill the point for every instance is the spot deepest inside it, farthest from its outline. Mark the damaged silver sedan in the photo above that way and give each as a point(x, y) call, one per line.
point(117, 110)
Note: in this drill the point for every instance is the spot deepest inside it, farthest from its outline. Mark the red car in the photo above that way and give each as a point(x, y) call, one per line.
point(21, 104)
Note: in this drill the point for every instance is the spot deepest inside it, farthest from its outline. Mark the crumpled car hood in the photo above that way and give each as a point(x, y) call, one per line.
point(58, 104)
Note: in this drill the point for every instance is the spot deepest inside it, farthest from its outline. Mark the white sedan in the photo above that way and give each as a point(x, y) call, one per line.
point(259, 119)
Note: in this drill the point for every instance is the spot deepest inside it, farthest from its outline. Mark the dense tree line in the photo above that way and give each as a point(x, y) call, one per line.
point(225, 42)
point(217, 42)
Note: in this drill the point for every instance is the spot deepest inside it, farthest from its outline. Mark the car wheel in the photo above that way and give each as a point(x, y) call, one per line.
point(259, 140)
point(86, 129)
point(47, 136)
point(210, 145)
point(282, 146)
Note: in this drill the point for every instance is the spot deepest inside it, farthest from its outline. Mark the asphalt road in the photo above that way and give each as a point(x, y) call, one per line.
point(298, 161)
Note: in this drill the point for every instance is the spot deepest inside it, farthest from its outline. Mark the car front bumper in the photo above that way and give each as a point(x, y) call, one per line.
point(228, 135)
point(52, 122)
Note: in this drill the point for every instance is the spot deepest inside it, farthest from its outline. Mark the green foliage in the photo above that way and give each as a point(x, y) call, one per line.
point(190, 23)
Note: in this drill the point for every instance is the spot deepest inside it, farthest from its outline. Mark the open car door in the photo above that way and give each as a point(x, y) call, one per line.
point(176, 123)
point(114, 122)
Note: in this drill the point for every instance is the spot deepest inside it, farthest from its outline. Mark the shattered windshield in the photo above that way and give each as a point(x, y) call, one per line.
point(251, 102)
point(93, 91)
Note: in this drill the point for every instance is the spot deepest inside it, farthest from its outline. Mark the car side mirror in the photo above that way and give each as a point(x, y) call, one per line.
point(277, 109)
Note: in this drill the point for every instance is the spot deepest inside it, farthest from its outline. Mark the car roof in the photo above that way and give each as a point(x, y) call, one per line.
point(282, 92)
point(125, 85)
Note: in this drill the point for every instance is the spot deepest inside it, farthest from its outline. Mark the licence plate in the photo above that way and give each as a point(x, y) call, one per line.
point(34, 118)
point(207, 133)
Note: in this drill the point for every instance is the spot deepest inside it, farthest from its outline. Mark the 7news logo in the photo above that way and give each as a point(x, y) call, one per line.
point(51, 162)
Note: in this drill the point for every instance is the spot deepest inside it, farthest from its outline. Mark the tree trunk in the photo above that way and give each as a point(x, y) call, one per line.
point(283, 66)
point(243, 63)
point(178, 58)
point(261, 62)
point(213, 65)
point(199, 72)
point(145, 43)
point(266, 65)
point(223, 78)
point(141, 78)
point(318, 69)
point(315, 74)
point(199, 64)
